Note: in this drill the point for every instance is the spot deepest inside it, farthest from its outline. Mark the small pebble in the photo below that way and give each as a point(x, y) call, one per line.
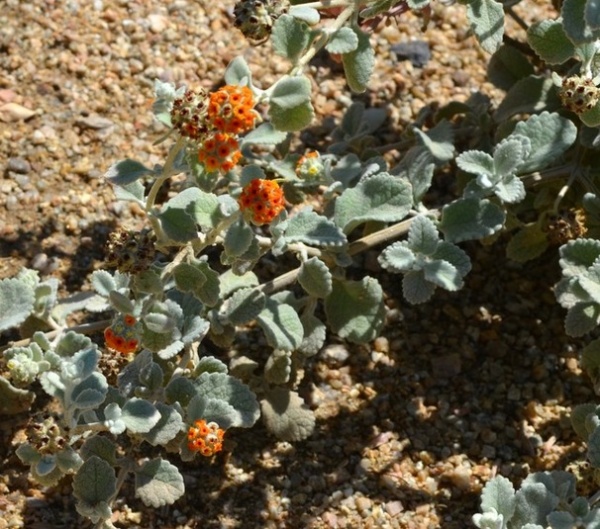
point(18, 165)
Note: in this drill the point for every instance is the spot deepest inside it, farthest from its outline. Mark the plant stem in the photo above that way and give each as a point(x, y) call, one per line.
point(167, 172)
point(327, 4)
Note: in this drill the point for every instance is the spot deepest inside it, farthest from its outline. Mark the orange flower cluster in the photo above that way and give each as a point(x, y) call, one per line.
point(231, 109)
point(219, 152)
point(206, 438)
point(261, 200)
point(123, 335)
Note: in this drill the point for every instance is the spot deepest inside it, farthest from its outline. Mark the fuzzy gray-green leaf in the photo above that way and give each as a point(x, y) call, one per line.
point(16, 302)
point(528, 95)
point(550, 135)
point(549, 40)
point(243, 306)
point(126, 172)
point(507, 66)
point(486, 18)
point(344, 40)
point(315, 277)
point(355, 309)
point(313, 229)
point(238, 72)
point(381, 197)
point(582, 318)
point(470, 218)
point(290, 36)
point(286, 415)
point(314, 335)
point(158, 483)
point(290, 107)
point(499, 494)
point(95, 482)
point(578, 255)
point(167, 428)
point(281, 324)
point(415, 288)
point(574, 21)
point(359, 63)
point(139, 415)
point(397, 257)
point(423, 236)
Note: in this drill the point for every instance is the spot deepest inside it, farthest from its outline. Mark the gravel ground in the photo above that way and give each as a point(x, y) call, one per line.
point(409, 428)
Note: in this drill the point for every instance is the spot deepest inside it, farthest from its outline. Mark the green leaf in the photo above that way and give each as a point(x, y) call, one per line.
point(126, 172)
point(238, 238)
point(528, 243)
point(423, 236)
point(139, 415)
point(290, 107)
point(415, 288)
point(238, 72)
point(120, 302)
point(310, 228)
point(89, 393)
point(581, 319)
point(243, 306)
point(355, 309)
point(574, 21)
point(592, 14)
point(14, 400)
point(16, 302)
point(527, 96)
point(308, 14)
point(443, 274)
point(476, 162)
point(549, 40)
point(286, 415)
point(99, 446)
point(244, 409)
point(315, 277)
point(507, 66)
point(359, 63)
point(591, 117)
point(94, 485)
point(456, 256)
point(397, 257)
point(158, 483)
point(511, 190)
point(590, 359)
point(344, 40)
point(281, 324)
point(578, 255)
point(199, 279)
point(438, 141)
point(508, 155)
point(230, 282)
point(380, 197)
point(486, 18)
point(533, 503)
point(167, 428)
point(550, 135)
point(278, 367)
point(578, 417)
point(417, 167)
point(290, 37)
point(314, 335)
point(470, 218)
point(133, 192)
point(499, 494)
point(264, 134)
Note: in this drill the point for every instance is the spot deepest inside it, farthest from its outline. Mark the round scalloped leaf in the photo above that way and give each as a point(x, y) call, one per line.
point(167, 428)
point(511, 190)
point(591, 117)
point(219, 386)
point(397, 257)
point(238, 238)
point(443, 274)
point(359, 63)
point(99, 446)
point(14, 400)
point(423, 236)
point(313, 229)
point(238, 72)
point(286, 415)
point(578, 255)
point(530, 94)
point(549, 40)
point(454, 255)
point(582, 318)
point(578, 29)
point(315, 277)
point(590, 358)
point(290, 107)
point(103, 282)
point(281, 324)
point(308, 14)
point(158, 483)
point(578, 417)
point(499, 494)
point(45, 465)
point(139, 415)
point(415, 288)
point(244, 306)
point(290, 36)
point(486, 18)
point(16, 302)
point(315, 333)
point(95, 483)
point(594, 448)
point(344, 40)
point(507, 66)
point(355, 309)
point(380, 197)
point(471, 218)
point(89, 393)
point(278, 367)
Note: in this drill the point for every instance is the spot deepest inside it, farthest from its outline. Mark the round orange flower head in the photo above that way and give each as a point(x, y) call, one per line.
point(231, 109)
point(310, 166)
point(188, 114)
point(123, 334)
point(205, 438)
point(261, 201)
point(219, 152)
